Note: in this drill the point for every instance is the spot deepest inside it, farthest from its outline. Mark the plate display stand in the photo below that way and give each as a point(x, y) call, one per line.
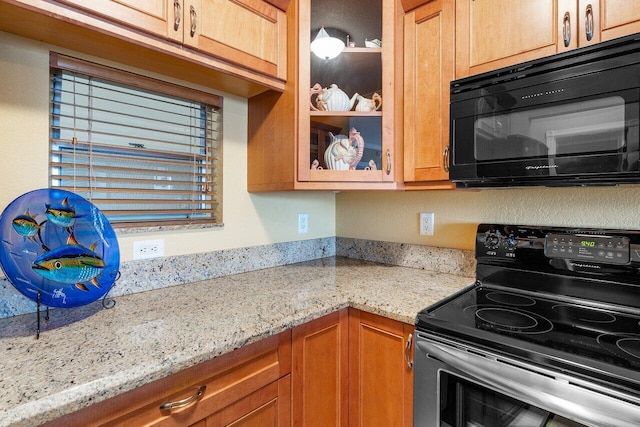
point(59, 250)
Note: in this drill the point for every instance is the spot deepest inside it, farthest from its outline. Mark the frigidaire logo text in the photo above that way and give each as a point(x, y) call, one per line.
point(581, 265)
point(536, 167)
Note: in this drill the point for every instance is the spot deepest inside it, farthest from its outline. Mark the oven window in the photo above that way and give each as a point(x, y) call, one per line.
point(465, 404)
point(580, 127)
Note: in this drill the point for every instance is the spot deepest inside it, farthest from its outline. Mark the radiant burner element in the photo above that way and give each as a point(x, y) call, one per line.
point(583, 314)
point(510, 299)
point(511, 320)
point(621, 344)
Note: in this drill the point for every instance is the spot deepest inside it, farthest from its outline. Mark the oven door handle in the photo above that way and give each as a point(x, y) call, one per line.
point(546, 392)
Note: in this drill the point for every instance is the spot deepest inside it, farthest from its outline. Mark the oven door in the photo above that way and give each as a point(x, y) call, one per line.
point(458, 386)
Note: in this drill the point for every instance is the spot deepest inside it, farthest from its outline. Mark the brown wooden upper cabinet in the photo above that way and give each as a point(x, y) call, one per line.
point(428, 69)
point(491, 34)
point(289, 134)
point(250, 33)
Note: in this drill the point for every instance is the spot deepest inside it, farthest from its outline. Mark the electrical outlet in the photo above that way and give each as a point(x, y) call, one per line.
point(426, 223)
point(148, 249)
point(303, 223)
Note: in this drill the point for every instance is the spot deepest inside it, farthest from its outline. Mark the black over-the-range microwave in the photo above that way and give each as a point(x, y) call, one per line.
point(568, 119)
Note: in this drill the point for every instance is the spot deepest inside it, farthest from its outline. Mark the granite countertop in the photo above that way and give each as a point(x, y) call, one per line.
point(89, 354)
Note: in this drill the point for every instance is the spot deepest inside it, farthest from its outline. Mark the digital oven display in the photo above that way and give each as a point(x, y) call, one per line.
point(603, 249)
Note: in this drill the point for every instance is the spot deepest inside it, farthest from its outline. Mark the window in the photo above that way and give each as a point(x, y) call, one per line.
point(145, 152)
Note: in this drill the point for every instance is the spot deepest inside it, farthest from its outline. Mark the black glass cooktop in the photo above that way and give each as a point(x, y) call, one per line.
point(542, 329)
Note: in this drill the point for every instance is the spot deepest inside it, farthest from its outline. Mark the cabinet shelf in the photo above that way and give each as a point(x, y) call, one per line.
point(345, 113)
point(362, 50)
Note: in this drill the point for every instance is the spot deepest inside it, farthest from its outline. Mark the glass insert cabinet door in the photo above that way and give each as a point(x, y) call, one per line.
point(466, 404)
point(346, 102)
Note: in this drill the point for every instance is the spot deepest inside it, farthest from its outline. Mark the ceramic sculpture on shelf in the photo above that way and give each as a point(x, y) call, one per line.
point(344, 152)
point(355, 139)
point(331, 99)
point(366, 105)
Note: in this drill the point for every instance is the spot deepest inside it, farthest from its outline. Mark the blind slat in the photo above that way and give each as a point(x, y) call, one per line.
point(142, 157)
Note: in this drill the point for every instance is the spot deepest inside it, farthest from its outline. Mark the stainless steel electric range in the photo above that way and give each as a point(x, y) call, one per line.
point(548, 335)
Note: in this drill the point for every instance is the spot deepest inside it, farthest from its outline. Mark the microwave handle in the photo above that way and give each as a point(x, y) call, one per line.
point(569, 400)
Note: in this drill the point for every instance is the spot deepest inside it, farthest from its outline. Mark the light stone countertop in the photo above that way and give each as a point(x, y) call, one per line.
point(89, 354)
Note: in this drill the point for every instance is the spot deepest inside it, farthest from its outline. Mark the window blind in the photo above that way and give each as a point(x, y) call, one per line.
point(143, 157)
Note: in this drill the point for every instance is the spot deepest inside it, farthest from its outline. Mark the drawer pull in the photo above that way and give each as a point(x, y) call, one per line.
point(588, 23)
point(183, 403)
point(177, 14)
point(388, 162)
point(194, 20)
point(407, 352)
point(566, 29)
point(445, 159)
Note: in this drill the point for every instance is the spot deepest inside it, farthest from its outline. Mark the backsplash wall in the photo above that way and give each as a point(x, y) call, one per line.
point(147, 275)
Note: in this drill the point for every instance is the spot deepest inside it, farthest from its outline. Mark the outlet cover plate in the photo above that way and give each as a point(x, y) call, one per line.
point(146, 249)
point(303, 223)
point(426, 223)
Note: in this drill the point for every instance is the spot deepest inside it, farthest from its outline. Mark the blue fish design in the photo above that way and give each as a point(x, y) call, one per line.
point(26, 226)
point(61, 214)
point(70, 264)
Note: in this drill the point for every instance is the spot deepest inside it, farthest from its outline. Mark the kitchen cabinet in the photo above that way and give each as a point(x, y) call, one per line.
point(491, 34)
point(360, 359)
point(191, 40)
point(319, 369)
point(380, 371)
point(282, 127)
point(429, 40)
point(210, 26)
point(268, 407)
point(249, 386)
point(617, 18)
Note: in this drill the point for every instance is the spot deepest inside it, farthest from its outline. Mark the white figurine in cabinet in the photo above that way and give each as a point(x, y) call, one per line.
point(344, 152)
point(332, 98)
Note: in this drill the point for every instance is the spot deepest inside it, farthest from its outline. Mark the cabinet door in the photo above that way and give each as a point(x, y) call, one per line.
point(160, 17)
point(380, 378)
point(619, 18)
point(491, 34)
point(320, 371)
point(428, 69)
point(251, 33)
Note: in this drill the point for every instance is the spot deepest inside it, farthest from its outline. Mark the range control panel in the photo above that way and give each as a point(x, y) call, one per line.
point(538, 245)
point(603, 249)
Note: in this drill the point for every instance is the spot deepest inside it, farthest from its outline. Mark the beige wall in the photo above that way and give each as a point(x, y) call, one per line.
point(394, 216)
point(249, 219)
point(256, 219)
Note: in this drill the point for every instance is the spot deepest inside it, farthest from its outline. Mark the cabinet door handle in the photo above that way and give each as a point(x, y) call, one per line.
point(566, 29)
point(588, 23)
point(445, 159)
point(183, 403)
point(194, 20)
point(407, 352)
point(177, 14)
point(388, 162)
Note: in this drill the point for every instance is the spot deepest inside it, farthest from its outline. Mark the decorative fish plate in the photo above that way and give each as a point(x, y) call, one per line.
point(58, 244)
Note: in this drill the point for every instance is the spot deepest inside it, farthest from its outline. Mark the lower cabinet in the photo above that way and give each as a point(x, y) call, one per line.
point(348, 368)
point(268, 407)
point(352, 369)
point(380, 371)
point(246, 387)
point(320, 367)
